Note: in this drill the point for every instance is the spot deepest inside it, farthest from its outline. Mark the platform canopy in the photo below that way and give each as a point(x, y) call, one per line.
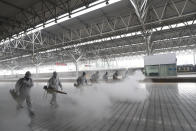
point(115, 28)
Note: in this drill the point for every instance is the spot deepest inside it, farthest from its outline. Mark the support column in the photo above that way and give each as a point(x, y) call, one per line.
point(33, 43)
point(194, 57)
point(141, 10)
point(12, 71)
point(76, 65)
point(75, 61)
point(36, 39)
point(37, 69)
point(148, 42)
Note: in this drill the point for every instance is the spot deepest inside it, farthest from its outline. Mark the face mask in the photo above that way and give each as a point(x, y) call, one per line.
point(54, 76)
point(27, 78)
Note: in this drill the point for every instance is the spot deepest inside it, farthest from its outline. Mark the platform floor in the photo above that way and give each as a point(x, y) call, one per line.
point(169, 107)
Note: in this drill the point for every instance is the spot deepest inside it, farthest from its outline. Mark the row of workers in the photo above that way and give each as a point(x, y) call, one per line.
point(21, 92)
point(81, 80)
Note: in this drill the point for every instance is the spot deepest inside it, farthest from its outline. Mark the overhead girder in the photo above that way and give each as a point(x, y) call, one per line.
point(97, 31)
point(153, 12)
point(136, 39)
point(136, 49)
point(122, 25)
point(38, 13)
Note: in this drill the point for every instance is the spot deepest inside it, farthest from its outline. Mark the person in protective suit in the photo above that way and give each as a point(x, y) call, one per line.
point(105, 76)
point(81, 80)
point(115, 75)
point(126, 73)
point(95, 77)
point(54, 83)
point(21, 92)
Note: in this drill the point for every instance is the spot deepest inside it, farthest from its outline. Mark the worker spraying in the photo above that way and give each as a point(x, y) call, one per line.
point(105, 76)
point(95, 77)
point(22, 92)
point(54, 84)
point(116, 75)
point(81, 81)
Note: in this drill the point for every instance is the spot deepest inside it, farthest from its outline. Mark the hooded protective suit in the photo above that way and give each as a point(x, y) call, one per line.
point(105, 76)
point(95, 77)
point(54, 83)
point(115, 75)
point(22, 89)
point(81, 80)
